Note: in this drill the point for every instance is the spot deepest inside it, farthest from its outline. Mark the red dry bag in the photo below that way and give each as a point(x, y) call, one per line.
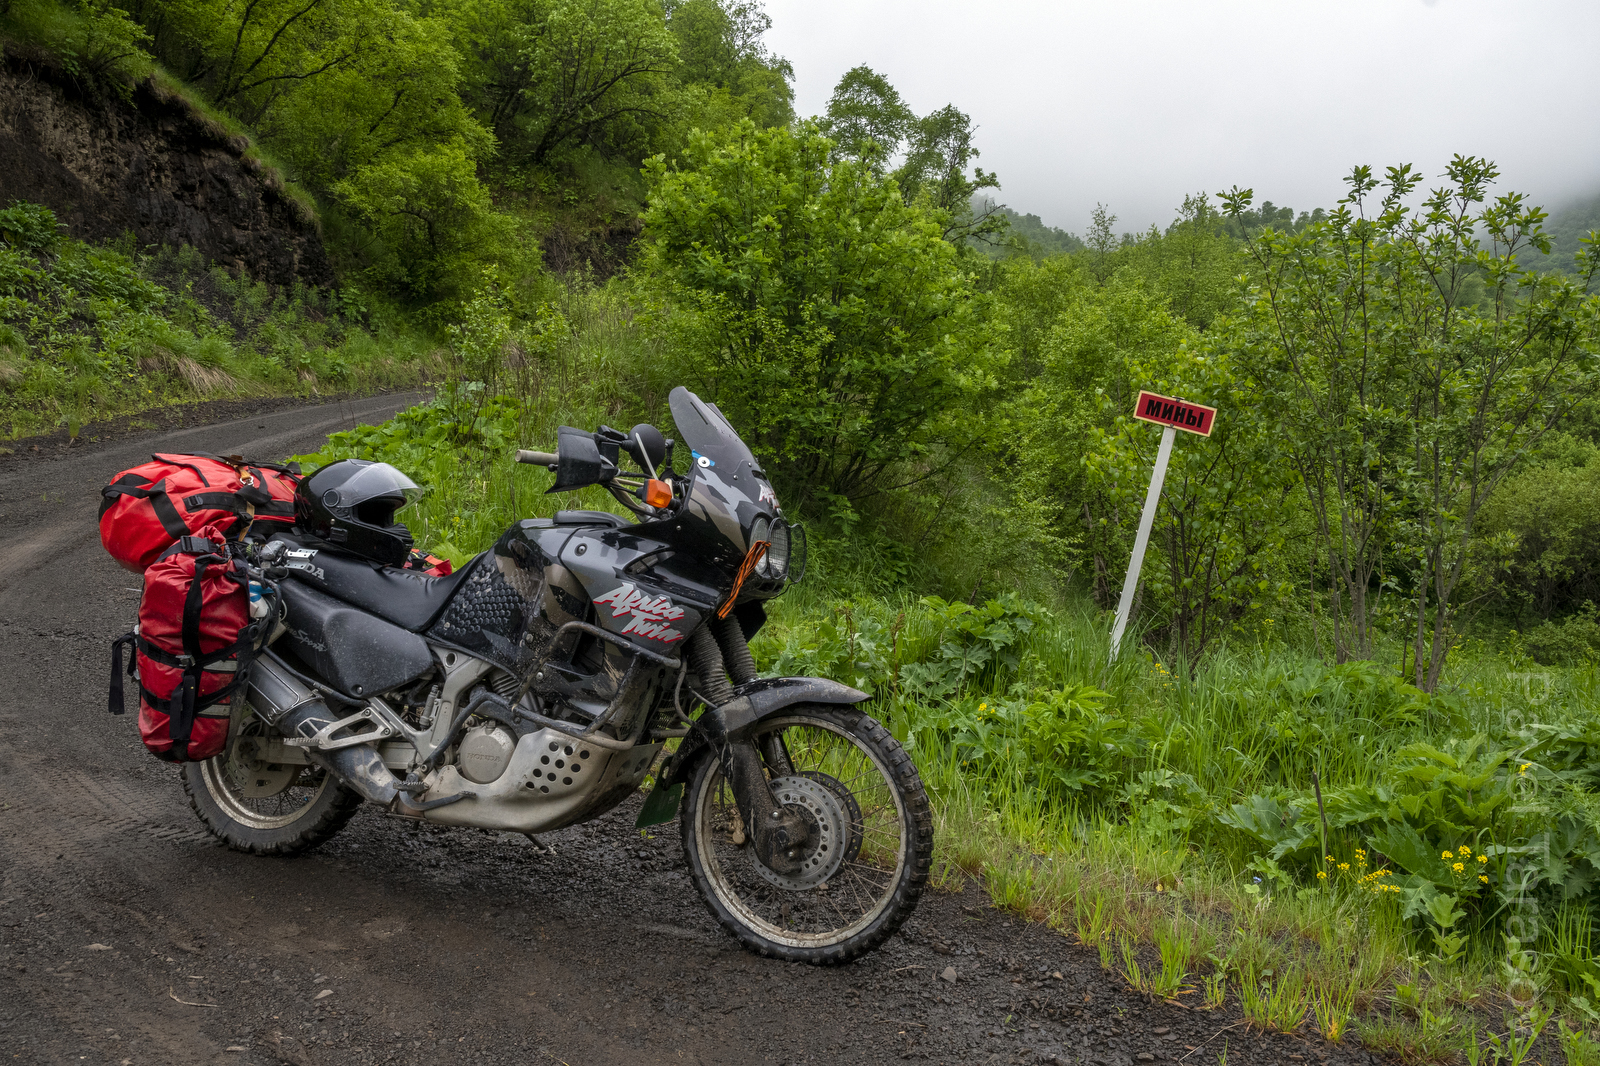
point(194, 641)
point(280, 482)
point(145, 509)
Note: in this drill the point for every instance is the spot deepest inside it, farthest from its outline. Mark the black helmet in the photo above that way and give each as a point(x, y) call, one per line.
point(352, 503)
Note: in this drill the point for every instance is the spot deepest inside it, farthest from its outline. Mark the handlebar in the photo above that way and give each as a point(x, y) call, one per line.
point(548, 459)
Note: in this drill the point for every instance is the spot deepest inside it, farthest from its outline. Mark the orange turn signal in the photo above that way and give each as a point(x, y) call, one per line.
point(657, 493)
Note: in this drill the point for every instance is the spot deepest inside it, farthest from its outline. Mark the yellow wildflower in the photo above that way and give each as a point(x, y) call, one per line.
point(1321, 874)
point(1457, 867)
point(1447, 855)
point(1484, 879)
point(1344, 866)
point(1483, 858)
point(1464, 851)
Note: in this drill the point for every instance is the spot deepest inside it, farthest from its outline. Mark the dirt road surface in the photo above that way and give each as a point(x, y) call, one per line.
point(127, 936)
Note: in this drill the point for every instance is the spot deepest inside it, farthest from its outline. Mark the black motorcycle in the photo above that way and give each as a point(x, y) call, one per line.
point(538, 686)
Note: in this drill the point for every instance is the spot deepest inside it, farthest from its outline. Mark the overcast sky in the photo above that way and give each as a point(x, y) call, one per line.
point(1132, 103)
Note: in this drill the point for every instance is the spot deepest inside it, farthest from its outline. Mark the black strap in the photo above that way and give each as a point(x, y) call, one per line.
point(109, 494)
point(180, 714)
point(202, 704)
point(114, 702)
point(192, 604)
point(232, 502)
point(246, 641)
point(291, 469)
point(166, 514)
point(177, 460)
point(189, 544)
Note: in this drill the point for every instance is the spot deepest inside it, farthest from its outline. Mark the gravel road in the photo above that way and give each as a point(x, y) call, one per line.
point(128, 937)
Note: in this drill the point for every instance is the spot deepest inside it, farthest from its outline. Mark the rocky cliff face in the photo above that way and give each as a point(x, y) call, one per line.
point(151, 164)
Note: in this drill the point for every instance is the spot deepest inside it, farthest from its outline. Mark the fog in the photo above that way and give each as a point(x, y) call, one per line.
point(1135, 103)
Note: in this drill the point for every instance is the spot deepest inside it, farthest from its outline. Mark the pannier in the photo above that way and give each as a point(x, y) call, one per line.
point(194, 643)
point(145, 509)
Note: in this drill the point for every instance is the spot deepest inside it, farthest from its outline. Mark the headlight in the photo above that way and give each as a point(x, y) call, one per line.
point(775, 564)
point(760, 529)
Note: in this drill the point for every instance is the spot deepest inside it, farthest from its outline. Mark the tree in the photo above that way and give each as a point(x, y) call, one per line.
point(1220, 524)
point(593, 62)
point(547, 74)
point(398, 95)
point(434, 216)
point(721, 53)
point(866, 117)
point(870, 122)
point(1403, 403)
point(829, 317)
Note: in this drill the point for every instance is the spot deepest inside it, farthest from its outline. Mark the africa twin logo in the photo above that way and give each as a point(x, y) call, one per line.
point(650, 614)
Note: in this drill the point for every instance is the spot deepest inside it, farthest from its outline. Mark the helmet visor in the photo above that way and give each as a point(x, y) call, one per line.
point(372, 482)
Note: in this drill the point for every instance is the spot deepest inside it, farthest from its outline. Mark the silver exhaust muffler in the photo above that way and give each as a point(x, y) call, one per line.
point(287, 704)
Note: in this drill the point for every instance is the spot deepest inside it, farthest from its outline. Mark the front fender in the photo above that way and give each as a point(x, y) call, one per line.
point(752, 702)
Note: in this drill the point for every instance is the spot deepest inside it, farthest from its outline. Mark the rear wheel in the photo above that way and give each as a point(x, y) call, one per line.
point(873, 841)
point(266, 808)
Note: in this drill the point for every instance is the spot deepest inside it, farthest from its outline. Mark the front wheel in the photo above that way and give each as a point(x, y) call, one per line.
point(874, 839)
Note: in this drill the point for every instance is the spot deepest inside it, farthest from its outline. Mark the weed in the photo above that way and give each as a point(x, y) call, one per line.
point(1215, 986)
point(1175, 941)
point(1412, 1041)
point(1577, 1047)
point(1514, 1047)
point(1131, 971)
point(1332, 1002)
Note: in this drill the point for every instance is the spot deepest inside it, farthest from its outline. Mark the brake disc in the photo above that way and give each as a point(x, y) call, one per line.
point(255, 779)
point(832, 830)
point(848, 804)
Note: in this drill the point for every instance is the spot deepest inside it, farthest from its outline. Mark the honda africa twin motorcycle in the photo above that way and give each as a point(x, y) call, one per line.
point(538, 686)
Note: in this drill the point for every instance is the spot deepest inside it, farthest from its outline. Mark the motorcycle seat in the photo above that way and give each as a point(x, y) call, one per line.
point(408, 598)
point(591, 518)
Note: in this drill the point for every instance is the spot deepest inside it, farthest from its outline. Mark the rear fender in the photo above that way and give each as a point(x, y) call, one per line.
point(752, 702)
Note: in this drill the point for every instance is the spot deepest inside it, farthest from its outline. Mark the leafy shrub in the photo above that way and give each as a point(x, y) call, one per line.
point(1573, 641)
point(29, 227)
point(832, 321)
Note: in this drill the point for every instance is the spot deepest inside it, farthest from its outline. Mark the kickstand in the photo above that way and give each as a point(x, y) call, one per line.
point(538, 847)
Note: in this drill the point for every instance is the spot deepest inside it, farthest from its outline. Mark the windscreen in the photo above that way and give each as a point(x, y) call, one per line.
point(708, 435)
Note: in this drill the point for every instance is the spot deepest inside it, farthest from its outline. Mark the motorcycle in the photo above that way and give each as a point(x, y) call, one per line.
point(540, 684)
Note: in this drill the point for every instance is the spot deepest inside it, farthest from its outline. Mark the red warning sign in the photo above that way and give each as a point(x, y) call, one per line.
point(1167, 411)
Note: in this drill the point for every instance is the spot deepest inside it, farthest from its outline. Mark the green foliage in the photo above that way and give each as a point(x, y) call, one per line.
point(1402, 405)
point(87, 332)
point(870, 123)
point(826, 316)
point(435, 217)
point(27, 227)
point(1550, 514)
point(1573, 641)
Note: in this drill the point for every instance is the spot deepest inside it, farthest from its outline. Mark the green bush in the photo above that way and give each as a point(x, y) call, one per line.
point(830, 320)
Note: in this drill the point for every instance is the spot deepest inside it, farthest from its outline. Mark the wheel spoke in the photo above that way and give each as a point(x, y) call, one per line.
point(870, 827)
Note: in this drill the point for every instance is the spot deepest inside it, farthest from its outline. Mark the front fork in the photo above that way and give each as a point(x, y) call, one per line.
point(782, 836)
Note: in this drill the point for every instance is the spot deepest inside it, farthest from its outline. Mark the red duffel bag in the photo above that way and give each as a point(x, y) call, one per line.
point(194, 642)
point(279, 481)
point(146, 508)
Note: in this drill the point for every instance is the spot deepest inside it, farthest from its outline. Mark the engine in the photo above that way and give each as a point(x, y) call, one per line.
point(485, 752)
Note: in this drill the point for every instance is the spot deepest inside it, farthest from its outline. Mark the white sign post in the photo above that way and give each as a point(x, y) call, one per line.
point(1173, 415)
